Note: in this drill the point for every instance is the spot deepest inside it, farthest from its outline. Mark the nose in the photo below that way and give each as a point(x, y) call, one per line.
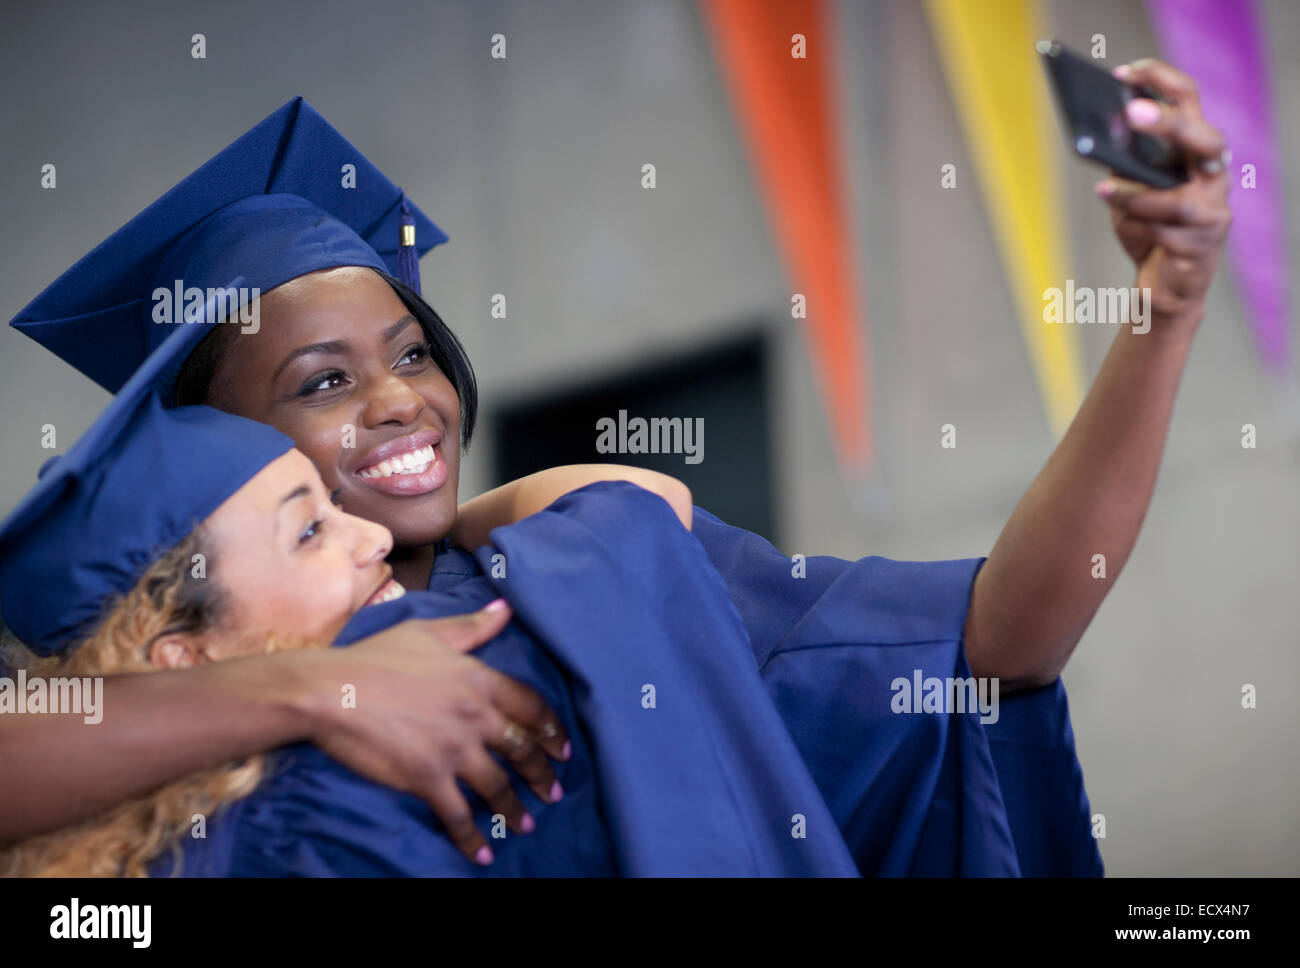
point(371, 542)
point(391, 400)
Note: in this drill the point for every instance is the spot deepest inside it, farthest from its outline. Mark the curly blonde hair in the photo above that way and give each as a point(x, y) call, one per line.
point(169, 598)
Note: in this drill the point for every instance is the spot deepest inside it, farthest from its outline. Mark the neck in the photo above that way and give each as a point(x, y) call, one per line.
point(413, 566)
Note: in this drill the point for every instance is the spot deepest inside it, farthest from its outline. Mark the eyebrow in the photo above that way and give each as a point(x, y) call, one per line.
point(302, 490)
point(331, 346)
point(392, 332)
point(339, 346)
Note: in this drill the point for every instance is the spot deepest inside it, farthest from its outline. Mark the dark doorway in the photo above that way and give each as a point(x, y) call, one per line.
point(724, 384)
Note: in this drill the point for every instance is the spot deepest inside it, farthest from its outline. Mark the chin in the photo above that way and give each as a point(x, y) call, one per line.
point(328, 632)
point(415, 520)
point(423, 524)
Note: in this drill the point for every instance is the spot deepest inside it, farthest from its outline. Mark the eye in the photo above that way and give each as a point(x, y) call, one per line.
point(418, 353)
point(329, 380)
point(311, 531)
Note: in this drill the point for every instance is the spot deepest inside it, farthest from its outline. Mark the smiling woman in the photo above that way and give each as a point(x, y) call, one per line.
point(317, 592)
point(377, 392)
point(258, 216)
point(370, 383)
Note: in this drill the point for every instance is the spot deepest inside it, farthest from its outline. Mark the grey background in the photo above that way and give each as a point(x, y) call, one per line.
point(532, 165)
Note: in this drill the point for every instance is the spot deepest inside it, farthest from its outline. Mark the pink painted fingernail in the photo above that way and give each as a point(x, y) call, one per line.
point(557, 791)
point(528, 824)
point(1143, 111)
point(1105, 188)
point(567, 751)
point(496, 605)
point(483, 856)
point(1122, 72)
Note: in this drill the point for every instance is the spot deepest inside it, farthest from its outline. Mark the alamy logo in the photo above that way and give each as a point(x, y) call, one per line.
point(1084, 305)
point(84, 695)
point(218, 305)
point(922, 694)
point(103, 921)
point(658, 435)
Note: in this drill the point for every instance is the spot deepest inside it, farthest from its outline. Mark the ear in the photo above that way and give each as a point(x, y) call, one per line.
point(175, 651)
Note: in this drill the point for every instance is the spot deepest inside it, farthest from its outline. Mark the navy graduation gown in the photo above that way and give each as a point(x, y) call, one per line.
point(829, 644)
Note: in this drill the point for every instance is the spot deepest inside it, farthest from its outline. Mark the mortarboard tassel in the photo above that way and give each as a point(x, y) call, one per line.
point(408, 257)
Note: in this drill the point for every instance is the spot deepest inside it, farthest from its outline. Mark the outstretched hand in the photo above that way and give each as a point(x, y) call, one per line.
point(1174, 235)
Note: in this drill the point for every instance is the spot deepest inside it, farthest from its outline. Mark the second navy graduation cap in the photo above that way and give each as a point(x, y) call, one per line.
point(136, 483)
point(276, 204)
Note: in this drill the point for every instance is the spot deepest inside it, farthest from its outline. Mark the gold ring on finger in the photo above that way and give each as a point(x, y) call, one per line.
point(515, 737)
point(1212, 166)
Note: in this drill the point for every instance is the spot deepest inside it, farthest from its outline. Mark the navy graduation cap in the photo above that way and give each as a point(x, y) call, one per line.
point(132, 487)
point(278, 203)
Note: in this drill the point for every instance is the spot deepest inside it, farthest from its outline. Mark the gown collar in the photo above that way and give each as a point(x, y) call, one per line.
point(450, 565)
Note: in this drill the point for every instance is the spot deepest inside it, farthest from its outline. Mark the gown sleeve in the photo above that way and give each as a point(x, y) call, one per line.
point(831, 635)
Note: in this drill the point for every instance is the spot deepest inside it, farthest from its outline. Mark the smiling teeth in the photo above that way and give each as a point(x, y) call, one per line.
point(412, 462)
point(394, 592)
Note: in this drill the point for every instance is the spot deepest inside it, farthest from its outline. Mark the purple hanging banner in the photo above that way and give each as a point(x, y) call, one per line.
point(1219, 42)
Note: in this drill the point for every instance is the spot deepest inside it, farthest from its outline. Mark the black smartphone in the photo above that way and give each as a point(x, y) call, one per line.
point(1093, 102)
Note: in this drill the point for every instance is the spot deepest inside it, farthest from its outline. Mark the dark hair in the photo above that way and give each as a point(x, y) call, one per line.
point(194, 385)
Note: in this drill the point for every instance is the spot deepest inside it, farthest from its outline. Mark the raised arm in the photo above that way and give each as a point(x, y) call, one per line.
point(1036, 594)
point(439, 715)
point(517, 500)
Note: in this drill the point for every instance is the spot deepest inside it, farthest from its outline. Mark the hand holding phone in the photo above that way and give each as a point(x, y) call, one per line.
point(1094, 103)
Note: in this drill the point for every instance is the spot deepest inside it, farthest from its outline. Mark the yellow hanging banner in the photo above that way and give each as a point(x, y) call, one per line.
point(987, 49)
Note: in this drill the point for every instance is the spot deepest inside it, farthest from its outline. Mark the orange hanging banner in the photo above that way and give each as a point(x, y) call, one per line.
point(776, 58)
